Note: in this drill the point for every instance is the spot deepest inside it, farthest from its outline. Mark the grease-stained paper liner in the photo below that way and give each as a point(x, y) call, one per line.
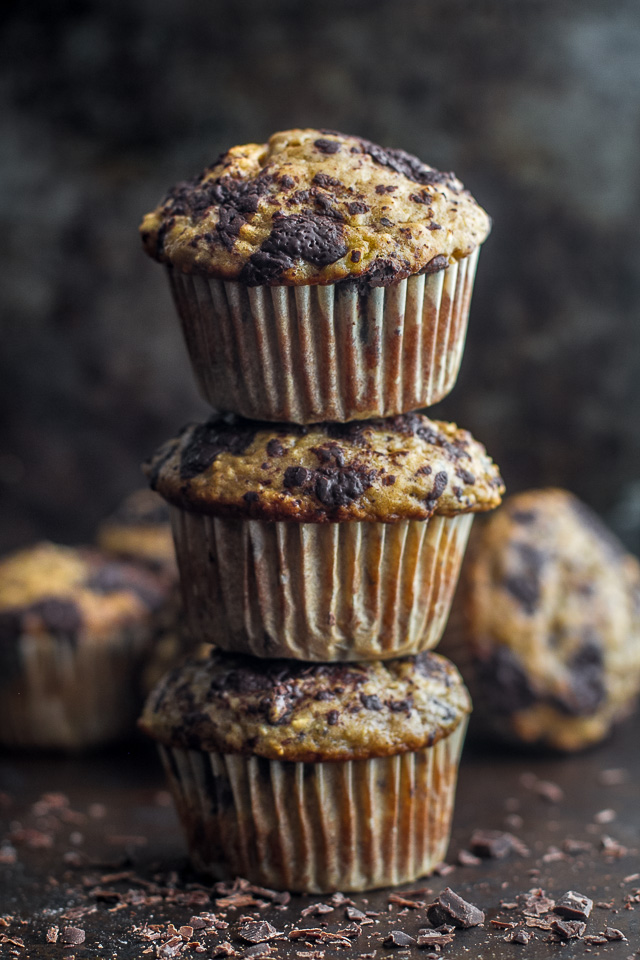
point(59, 695)
point(317, 827)
point(337, 352)
point(328, 591)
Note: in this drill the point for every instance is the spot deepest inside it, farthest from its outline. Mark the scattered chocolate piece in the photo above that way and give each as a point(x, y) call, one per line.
point(72, 935)
point(613, 777)
point(451, 908)
point(352, 913)
point(316, 933)
point(434, 938)
point(443, 869)
point(398, 938)
point(256, 931)
point(535, 902)
point(495, 844)
point(604, 816)
point(518, 935)
point(468, 859)
point(224, 949)
point(595, 939)
point(611, 933)
point(574, 906)
point(611, 848)
point(316, 910)
point(568, 929)
point(258, 950)
point(549, 791)
point(52, 934)
point(401, 901)
point(576, 846)
point(503, 924)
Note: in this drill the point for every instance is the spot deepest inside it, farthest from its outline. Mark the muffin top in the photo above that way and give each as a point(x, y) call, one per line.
point(289, 710)
point(404, 467)
point(139, 529)
point(315, 207)
point(552, 604)
point(63, 591)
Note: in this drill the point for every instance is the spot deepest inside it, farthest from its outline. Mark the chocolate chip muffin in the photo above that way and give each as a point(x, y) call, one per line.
point(140, 530)
point(75, 625)
point(320, 276)
point(312, 777)
point(371, 521)
point(548, 631)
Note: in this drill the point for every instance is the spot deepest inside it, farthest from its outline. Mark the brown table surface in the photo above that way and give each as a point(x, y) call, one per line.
point(69, 825)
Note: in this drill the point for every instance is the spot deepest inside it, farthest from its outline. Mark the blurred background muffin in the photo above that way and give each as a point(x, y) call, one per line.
point(75, 628)
point(546, 624)
point(139, 529)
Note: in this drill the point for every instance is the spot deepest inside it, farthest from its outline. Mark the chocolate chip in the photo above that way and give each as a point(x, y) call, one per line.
point(338, 487)
point(333, 717)
point(274, 448)
point(525, 584)
point(439, 485)
point(251, 496)
point(491, 844)
point(371, 701)
point(574, 906)
point(356, 256)
point(587, 689)
point(519, 935)
point(296, 476)
point(306, 237)
point(327, 146)
point(357, 206)
point(405, 163)
point(325, 181)
point(465, 476)
point(209, 440)
point(286, 182)
point(72, 935)
point(382, 188)
point(386, 222)
point(504, 682)
point(449, 907)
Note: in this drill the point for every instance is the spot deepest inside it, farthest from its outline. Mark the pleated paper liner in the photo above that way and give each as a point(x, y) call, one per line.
point(317, 827)
point(310, 353)
point(59, 695)
point(330, 591)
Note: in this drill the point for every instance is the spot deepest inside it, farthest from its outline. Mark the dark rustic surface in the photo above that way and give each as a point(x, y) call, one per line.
point(110, 815)
point(106, 103)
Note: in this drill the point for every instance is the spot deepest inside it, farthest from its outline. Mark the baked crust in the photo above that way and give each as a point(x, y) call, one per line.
point(399, 468)
point(63, 591)
point(289, 710)
point(315, 207)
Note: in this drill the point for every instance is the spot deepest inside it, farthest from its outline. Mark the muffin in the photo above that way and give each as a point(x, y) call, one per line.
point(140, 530)
point(547, 629)
point(327, 542)
point(320, 277)
point(74, 628)
point(315, 777)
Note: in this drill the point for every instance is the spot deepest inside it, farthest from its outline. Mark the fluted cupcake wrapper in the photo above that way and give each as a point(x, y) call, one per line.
point(338, 352)
point(324, 592)
point(60, 695)
point(317, 827)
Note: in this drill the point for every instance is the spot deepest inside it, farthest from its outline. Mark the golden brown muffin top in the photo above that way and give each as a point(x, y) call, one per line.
point(552, 603)
point(315, 207)
point(289, 710)
point(139, 529)
point(398, 468)
point(64, 591)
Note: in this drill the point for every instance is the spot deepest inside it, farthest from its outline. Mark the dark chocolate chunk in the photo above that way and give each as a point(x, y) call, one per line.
point(251, 496)
point(209, 440)
point(286, 182)
point(574, 906)
point(338, 487)
point(612, 933)
point(523, 516)
point(382, 188)
point(491, 844)
point(327, 146)
point(449, 907)
point(306, 237)
point(465, 476)
point(439, 485)
point(587, 689)
point(398, 938)
point(371, 701)
point(518, 935)
point(568, 929)
point(72, 935)
point(525, 584)
point(356, 256)
point(436, 264)
point(405, 163)
point(333, 717)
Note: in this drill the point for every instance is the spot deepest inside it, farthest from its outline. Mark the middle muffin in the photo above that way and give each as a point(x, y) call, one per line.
point(326, 542)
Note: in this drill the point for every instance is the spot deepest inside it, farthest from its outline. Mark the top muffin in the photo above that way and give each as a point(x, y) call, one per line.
point(315, 207)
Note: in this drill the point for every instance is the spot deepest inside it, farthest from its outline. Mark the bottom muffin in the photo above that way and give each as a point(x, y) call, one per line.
point(74, 628)
point(312, 777)
point(545, 627)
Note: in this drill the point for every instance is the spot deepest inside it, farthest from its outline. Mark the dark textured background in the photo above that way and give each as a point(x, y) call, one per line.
point(534, 103)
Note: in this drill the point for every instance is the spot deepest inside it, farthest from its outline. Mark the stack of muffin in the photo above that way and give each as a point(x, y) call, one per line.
point(323, 286)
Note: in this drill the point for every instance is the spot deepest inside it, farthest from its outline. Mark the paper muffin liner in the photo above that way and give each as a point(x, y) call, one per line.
point(317, 827)
point(60, 695)
point(337, 352)
point(324, 592)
